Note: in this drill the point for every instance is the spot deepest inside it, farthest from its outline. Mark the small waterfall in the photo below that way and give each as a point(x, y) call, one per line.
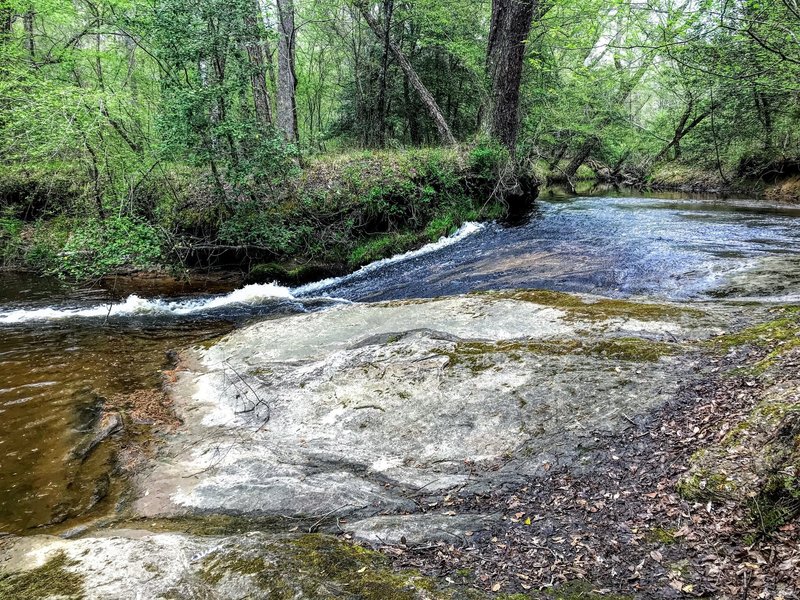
point(255, 295)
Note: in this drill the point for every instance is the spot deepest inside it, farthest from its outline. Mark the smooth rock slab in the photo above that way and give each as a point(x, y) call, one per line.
point(352, 411)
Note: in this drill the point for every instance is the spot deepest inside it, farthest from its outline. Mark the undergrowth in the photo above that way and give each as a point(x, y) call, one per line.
point(346, 210)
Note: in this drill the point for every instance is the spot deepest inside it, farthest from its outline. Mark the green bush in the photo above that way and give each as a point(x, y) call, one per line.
point(97, 247)
point(10, 239)
point(382, 246)
point(47, 239)
point(487, 159)
point(254, 224)
point(444, 225)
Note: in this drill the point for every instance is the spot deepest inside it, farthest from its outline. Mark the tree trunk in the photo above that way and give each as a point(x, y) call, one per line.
point(258, 81)
point(765, 116)
point(508, 33)
point(559, 154)
point(269, 51)
point(580, 157)
point(680, 131)
point(428, 100)
point(27, 21)
point(411, 115)
point(287, 81)
point(388, 9)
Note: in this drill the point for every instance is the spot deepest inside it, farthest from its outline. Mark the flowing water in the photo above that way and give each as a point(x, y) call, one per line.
point(63, 353)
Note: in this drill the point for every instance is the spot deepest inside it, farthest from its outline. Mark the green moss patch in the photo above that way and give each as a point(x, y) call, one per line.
point(477, 355)
point(52, 579)
point(314, 566)
point(582, 590)
point(783, 332)
point(661, 535)
point(597, 310)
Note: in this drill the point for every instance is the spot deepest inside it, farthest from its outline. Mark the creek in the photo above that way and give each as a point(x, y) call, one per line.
point(64, 353)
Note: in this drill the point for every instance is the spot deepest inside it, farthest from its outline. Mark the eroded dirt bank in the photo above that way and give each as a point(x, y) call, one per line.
point(500, 443)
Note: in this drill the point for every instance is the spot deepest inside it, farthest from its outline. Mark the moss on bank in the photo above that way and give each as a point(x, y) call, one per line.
point(778, 336)
point(313, 566)
point(755, 461)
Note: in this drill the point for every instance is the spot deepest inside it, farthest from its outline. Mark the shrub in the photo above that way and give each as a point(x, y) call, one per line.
point(97, 247)
point(10, 239)
point(382, 247)
point(252, 224)
point(487, 159)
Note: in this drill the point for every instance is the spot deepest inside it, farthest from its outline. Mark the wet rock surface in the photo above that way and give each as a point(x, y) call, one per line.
point(352, 412)
point(141, 564)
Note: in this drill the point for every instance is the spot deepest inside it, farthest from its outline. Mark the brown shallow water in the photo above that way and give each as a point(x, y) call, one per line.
point(54, 379)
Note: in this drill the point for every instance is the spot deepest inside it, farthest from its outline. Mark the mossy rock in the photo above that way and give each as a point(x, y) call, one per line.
point(783, 332)
point(704, 485)
point(317, 566)
point(477, 355)
point(597, 310)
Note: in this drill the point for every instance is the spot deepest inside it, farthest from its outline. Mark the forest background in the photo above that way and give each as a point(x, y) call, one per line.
point(292, 138)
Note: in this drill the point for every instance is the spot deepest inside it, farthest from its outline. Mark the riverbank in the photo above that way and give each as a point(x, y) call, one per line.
point(777, 183)
point(335, 214)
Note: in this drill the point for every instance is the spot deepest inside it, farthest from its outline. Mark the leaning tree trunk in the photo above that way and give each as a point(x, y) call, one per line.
point(427, 98)
point(680, 132)
point(508, 34)
point(287, 82)
point(580, 157)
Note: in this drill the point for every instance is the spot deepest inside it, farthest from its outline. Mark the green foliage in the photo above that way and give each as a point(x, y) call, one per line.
point(10, 239)
point(440, 226)
point(96, 247)
point(382, 246)
point(47, 239)
point(252, 224)
point(124, 109)
point(487, 159)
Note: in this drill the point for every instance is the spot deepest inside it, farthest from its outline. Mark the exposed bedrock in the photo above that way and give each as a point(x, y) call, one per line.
point(356, 411)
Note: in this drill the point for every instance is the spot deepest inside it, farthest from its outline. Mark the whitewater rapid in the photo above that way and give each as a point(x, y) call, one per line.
point(253, 295)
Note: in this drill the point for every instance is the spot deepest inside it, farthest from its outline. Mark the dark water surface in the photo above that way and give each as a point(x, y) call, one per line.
point(664, 248)
point(63, 351)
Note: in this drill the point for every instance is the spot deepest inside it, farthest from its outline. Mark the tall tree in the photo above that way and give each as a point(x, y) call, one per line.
point(508, 34)
point(287, 79)
point(255, 52)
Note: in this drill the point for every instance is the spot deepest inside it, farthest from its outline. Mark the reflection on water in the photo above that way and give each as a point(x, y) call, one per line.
point(52, 385)
point(53, 382)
